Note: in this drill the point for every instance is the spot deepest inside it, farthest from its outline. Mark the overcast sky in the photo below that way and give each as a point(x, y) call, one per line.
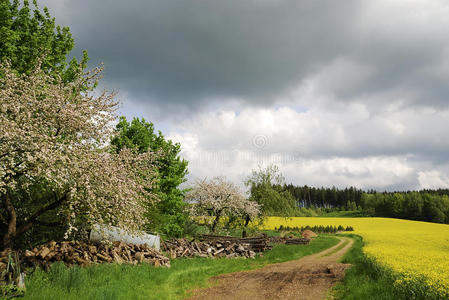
point(343, 93)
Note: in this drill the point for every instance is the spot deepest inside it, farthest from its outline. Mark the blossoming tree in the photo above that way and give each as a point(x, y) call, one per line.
point(57, 134)
point(218, 197)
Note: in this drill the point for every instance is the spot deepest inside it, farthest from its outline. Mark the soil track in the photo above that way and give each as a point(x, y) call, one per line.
point(307, 278)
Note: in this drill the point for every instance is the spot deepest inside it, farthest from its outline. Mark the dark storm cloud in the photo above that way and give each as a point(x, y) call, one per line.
point(370, 80)
point(188, 51)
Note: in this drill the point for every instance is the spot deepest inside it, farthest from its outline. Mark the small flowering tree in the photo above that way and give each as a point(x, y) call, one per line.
point(218, 197)
point(57, 134)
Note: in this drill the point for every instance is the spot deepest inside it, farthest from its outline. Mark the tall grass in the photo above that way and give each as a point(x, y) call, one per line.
point(112, 281)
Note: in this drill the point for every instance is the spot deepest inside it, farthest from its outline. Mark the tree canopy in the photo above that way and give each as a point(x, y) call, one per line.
point(139, 135)
point(265, 185)
point(57, 138)
point(27, 35)
point(218, 198)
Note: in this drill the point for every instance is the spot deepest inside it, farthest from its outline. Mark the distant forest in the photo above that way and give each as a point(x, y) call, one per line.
point(423, 205)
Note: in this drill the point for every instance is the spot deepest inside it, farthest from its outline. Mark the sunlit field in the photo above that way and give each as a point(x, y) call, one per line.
point(416, 252)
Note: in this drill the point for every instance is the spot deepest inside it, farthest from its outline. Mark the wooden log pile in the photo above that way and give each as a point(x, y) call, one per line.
point(277, 240)
point(213, 249)
point(256, 244)
point(288, 240)
point(299, 241)
point(75, 252)
point(225, 246)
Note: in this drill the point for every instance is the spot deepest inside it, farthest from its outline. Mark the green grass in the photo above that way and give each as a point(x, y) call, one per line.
point(363, 280)
point(111, 281)
point(337, 249)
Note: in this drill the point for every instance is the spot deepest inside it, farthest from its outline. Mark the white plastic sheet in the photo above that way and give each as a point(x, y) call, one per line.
point(114, 234)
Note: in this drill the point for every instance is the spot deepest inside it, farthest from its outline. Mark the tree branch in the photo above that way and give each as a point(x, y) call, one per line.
point(31, 220)
point(16, 152)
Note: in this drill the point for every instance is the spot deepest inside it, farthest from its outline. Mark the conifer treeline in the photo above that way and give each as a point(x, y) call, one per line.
point(306, 196)
point(424, 205)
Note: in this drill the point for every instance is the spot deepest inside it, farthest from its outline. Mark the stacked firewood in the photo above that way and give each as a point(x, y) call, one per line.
point(256, 244)
point(299, 241)
point(229, 249)
point(277, 239)
point(288, 240)
point(75, 252)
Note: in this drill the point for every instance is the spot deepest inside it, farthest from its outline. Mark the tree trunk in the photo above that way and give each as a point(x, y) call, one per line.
point(244, 234)
point(217, 218)
point(14, 230)
point(8, 239)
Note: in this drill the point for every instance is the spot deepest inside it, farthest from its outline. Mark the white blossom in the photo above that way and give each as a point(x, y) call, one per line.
point(220, 197)
point(61, 133)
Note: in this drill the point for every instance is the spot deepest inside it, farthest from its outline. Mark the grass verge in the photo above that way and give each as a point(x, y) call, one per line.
point(112, 281)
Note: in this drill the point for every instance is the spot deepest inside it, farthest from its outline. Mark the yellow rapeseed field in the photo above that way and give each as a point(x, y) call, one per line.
point(418, 251)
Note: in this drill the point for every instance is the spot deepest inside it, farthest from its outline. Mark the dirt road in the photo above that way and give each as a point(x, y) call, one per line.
point(310, 277)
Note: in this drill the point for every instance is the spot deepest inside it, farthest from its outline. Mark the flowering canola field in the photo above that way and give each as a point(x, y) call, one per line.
point(418, 252)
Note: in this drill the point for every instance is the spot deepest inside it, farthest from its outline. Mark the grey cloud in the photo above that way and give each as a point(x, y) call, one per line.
point(235, 55)
point(185, 52)
point(419, 135)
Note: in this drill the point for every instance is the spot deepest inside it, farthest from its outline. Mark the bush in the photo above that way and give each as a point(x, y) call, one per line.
point(317, 229)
